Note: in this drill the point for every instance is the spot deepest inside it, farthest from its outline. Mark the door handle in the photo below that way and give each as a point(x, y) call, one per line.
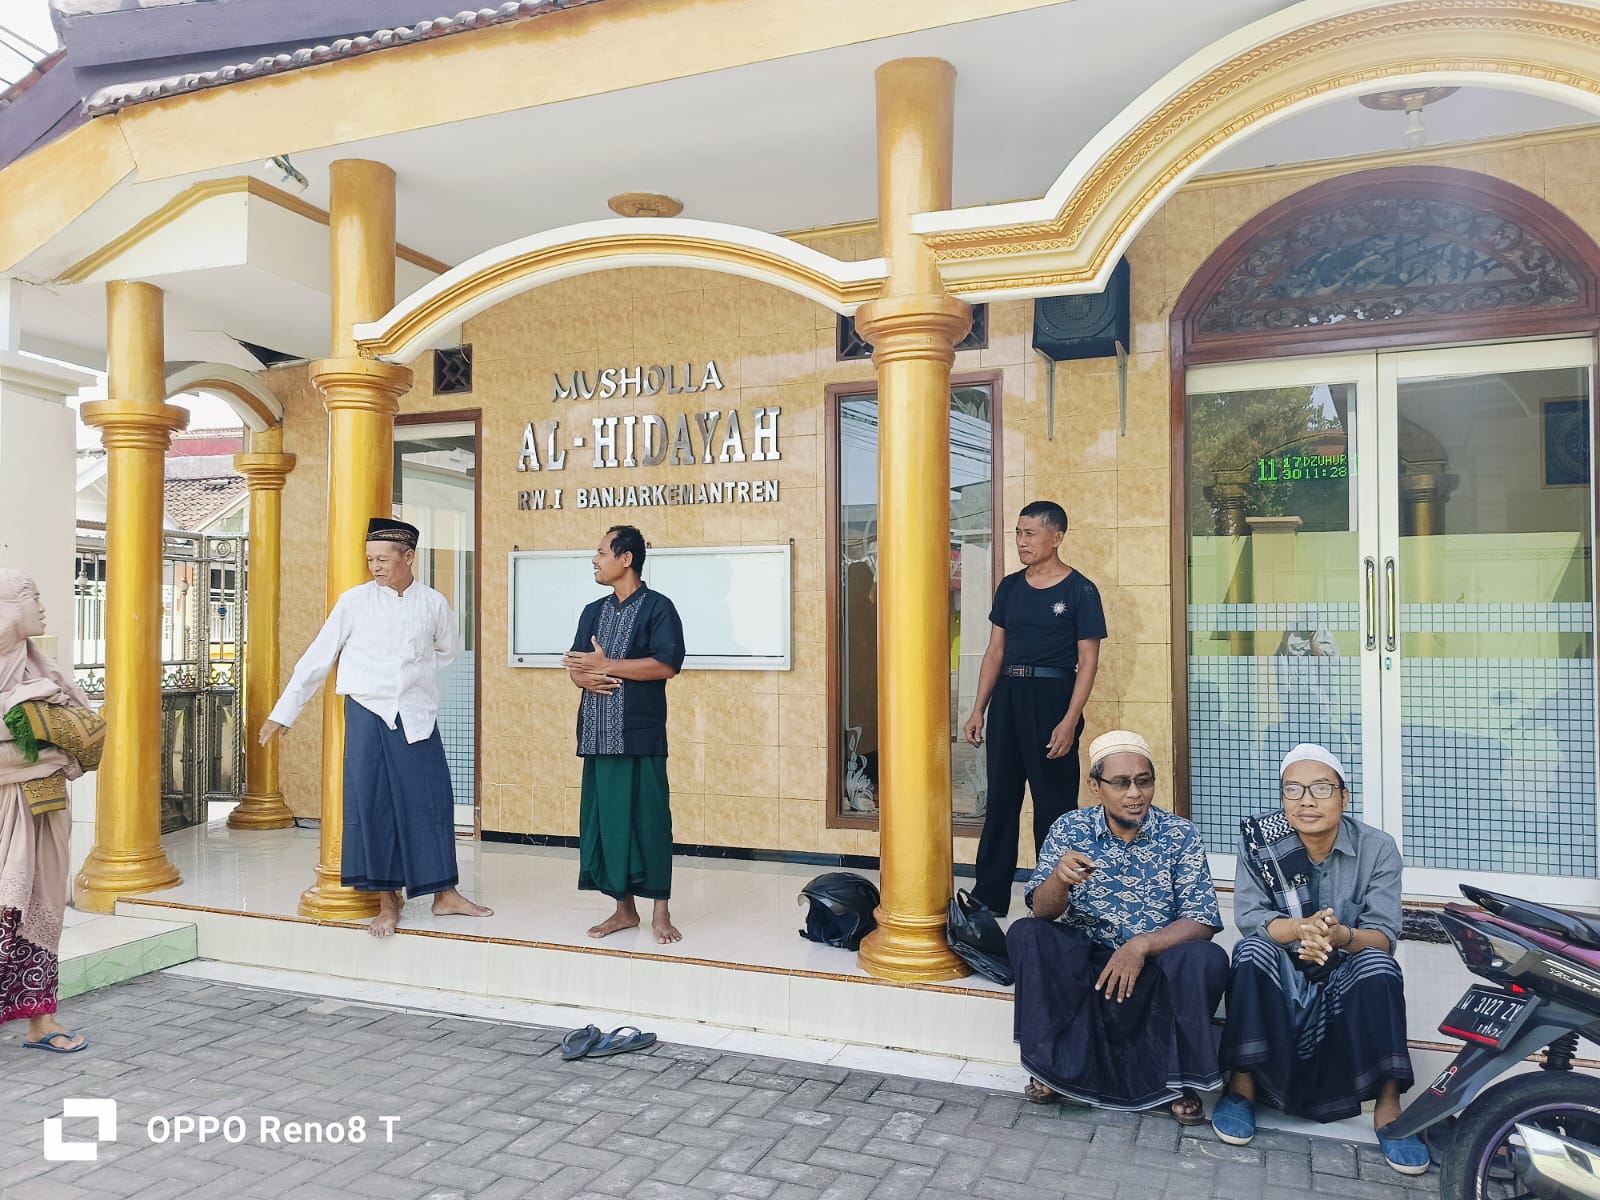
point(1372, 603)
point(1392, 615)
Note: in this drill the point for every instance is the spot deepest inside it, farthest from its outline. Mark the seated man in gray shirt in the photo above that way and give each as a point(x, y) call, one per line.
point(1316, 1008)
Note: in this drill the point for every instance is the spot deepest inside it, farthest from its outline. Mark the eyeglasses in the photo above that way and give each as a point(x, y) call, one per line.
point(1123, 783)
point(1321, 790)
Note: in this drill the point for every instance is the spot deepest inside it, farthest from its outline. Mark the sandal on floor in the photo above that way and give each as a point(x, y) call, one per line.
point(1038, 1093)
point(1185, 1117)
point(579, 1042)
point(621, 1041)
point(47, 1042)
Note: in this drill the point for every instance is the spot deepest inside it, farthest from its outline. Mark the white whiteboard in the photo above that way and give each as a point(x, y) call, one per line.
point(736, 603)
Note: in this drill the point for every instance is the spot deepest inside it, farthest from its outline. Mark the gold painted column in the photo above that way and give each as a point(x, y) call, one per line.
point(362, 397)
point(913, 329)
point(265, 468)
point(136, 425)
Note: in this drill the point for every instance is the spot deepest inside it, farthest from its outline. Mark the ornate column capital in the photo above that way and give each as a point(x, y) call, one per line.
point(264, 471)
point(366, 384)
point(134, 424)
point(922, 328)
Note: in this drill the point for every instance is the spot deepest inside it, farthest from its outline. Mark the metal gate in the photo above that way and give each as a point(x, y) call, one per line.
point(202, 630)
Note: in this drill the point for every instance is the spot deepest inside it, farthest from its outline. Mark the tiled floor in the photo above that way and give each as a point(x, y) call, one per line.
point(457, 1105)
point(101, 949)
point(733, 914)
point(730, 912)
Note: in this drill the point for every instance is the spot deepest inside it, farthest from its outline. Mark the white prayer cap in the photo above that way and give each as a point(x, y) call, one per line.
point(1118, 741)
point(1310, 752)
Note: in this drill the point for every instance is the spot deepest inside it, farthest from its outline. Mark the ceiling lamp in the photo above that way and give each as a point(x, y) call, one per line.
point(1410, 101)
point(644, 204)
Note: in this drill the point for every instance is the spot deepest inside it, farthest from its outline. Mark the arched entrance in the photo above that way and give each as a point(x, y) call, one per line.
point(1382, 392)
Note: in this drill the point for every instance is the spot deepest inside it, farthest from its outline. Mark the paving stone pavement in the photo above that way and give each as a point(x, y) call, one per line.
point(485, 1110)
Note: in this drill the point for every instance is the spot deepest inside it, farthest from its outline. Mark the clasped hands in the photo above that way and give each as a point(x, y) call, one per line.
point(1320, 935)
point(589, 669)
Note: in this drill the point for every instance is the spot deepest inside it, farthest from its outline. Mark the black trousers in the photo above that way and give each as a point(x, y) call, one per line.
point(1022, 713)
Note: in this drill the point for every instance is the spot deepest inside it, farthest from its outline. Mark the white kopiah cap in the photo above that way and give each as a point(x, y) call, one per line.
point(1309, 752)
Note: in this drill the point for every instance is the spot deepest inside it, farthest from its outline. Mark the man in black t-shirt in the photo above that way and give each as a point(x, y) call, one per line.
point(1039, 668)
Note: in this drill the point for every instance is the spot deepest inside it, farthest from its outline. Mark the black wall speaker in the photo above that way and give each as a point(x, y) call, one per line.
point(1087, 326)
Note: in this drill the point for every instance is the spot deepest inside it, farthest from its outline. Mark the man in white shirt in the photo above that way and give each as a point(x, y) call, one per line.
point(391, 638)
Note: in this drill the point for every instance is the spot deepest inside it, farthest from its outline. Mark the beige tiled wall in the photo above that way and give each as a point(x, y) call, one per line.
point(748, 765)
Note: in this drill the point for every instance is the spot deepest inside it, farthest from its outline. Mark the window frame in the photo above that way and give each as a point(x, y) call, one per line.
point(835, 393)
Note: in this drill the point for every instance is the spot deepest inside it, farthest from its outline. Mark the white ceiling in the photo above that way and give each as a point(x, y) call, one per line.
point(1346, 127)
point(785, 145)
point(789, 144)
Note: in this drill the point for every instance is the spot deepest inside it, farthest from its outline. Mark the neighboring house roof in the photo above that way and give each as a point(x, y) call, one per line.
point(194, 505)
point(120, 95)
point(190, 443)
point(91, 469)
point(201, 487)
point(122, 52)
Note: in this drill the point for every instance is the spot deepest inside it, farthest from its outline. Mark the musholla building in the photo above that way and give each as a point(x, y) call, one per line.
point(1292, 307)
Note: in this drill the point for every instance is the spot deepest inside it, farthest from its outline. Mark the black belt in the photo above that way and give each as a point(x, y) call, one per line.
point(1037, 673)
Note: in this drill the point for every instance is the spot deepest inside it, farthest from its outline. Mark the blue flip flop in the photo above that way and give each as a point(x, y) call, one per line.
point(621, 1041)
point(44, 1043)
point(579, 1042)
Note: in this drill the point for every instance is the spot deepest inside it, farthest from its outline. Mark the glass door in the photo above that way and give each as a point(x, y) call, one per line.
point(436, 489)
point(1282, 547)
point(1430, 617)
point(1488, 654)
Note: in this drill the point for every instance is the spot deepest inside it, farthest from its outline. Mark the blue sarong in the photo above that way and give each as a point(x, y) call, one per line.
point(399, 814)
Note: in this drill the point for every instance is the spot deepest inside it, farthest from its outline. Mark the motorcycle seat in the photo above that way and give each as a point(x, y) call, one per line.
point(1576, 928)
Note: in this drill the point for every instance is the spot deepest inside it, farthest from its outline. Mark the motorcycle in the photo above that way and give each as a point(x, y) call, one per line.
point(1535, 1135)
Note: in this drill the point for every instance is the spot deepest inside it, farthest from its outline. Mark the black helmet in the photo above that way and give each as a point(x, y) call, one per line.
point(976, 937)
point(841, 909)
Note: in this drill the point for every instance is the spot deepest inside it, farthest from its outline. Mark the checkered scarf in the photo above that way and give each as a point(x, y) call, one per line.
point(1277, 857)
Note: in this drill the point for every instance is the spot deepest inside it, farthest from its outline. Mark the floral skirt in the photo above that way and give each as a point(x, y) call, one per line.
point(28, 973)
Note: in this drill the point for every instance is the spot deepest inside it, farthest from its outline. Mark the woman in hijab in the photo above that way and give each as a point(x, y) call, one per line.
point(1316, 1007)
point(38, 703)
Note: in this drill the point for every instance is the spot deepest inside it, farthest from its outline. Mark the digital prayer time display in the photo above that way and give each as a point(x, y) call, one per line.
point(1294, 467)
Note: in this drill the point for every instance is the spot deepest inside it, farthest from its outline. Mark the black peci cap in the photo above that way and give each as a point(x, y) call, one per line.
point(387, 529)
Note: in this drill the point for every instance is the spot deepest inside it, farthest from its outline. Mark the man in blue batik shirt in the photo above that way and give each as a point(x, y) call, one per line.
point(1117, 976)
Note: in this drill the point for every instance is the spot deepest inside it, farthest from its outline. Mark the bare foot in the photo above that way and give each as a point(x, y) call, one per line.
point(626, 917)
point(451, 903)
point(47, 1026)
point(388, 915)
point(661, 923)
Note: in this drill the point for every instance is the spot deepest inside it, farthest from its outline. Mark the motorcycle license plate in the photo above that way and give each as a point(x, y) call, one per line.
point(1486, 1016)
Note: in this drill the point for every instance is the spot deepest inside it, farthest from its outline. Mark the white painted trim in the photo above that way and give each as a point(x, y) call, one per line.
point(1048, 207)
point(210, 378)
point(31, 375)
point(839, 271)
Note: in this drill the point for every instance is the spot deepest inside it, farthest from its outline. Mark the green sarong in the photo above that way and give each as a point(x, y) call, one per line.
point(625, 827)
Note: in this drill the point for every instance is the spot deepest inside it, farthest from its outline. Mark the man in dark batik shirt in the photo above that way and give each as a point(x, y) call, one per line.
point(628, 645)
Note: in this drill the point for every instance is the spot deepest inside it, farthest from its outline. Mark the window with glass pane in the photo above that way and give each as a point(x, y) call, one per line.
point(1273, 594)
point(435, 489)
point(1496, 622)
point(971, 586)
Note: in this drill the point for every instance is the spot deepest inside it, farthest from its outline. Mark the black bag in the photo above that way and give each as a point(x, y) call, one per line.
point(976, 937)
point(841, 912)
